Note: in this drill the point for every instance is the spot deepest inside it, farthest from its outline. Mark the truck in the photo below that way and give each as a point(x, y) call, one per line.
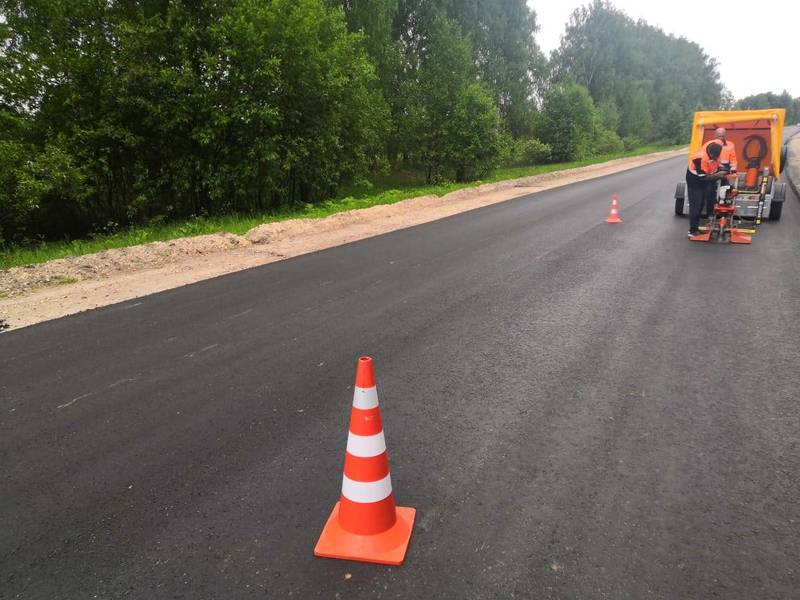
point(758, 138)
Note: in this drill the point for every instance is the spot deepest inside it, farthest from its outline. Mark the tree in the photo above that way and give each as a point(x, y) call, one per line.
point(307, 87)
point(773, 100)
point(445, 102)
point(568, 122)
point(609, 114)
point(638, 120)
point(473, 134)
point(507, 58)
point(674, 126)
point(127, 111)
point(643, 71)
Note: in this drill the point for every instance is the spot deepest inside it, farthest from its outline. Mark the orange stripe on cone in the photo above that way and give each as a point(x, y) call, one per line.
point(366, 422)
point(365, 524)
point(613, 216)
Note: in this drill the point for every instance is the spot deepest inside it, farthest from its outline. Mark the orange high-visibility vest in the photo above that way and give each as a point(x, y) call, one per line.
point(706, 164)
point(728, 154)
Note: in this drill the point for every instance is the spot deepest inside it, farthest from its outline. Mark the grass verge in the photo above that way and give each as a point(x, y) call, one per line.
point(384, 190)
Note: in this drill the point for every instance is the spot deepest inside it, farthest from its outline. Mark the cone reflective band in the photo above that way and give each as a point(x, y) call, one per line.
point(613, 216)
point(365, 524)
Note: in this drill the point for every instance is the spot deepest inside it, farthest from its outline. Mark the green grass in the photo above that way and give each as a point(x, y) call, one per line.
point(383, 190)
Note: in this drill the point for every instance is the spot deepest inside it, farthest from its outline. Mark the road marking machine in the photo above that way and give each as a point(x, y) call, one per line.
point(742, 199)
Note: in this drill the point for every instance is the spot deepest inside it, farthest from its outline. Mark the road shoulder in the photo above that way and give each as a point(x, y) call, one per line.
point(66, 286)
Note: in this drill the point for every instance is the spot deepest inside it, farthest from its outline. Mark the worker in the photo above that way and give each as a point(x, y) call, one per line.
point(728, 154)
point(703, 172)
point(727, 160)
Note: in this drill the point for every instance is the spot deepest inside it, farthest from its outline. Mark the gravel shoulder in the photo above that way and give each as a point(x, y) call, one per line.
point(36, 293)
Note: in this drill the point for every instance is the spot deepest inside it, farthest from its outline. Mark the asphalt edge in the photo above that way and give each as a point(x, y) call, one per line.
point(792, 170)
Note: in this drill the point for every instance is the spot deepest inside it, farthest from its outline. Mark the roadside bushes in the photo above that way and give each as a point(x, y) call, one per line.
point(570, 124)
point(530, 151)
point(115, 114)
point(452, 124)
point(607, 142)
point(170, 110)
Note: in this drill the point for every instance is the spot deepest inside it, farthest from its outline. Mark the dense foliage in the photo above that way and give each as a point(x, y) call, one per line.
point(647, 83)
point(772, 100)
point(121, 112)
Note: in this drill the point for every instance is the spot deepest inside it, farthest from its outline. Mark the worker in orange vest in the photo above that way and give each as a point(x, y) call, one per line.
point(727, 160)
point(703, 172)
point(728, 153)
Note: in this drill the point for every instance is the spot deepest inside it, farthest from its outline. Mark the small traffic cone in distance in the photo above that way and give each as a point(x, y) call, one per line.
point(365, 524)
point(613, 216)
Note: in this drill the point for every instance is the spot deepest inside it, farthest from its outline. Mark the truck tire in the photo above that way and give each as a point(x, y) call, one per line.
point(779, 192)
point(776, 205)
point(680, 195)
point(784, 151)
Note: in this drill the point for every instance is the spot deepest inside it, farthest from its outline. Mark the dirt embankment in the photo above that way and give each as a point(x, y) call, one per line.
point(35, 293)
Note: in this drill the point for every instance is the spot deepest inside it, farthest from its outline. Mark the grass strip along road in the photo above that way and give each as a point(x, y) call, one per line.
point(384, 190)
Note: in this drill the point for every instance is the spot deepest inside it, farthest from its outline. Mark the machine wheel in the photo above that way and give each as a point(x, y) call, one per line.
point(680, 195)
point(784, 151)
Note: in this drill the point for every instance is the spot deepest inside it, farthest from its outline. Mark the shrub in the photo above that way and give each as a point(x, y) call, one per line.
point(631, 142)
point(568, 122)
point(608, 142)
point(473, 144)
point(530, 151)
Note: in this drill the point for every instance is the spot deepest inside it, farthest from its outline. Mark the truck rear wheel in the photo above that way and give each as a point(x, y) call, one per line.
point(776, 205)
point(680, 195)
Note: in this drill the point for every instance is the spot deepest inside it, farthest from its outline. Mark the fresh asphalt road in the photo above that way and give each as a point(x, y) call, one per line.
point(576, 410)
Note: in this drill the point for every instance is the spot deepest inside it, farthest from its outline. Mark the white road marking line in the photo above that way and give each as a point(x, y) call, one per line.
point(74, 400)
point(120, 382)
point(206, 349)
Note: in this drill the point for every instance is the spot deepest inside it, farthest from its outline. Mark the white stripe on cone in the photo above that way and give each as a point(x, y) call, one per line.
point(366, 446)
point(366, 492)
point(365, 398)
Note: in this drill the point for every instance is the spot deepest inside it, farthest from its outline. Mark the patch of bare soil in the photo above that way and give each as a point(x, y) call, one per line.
point(19, 280)
point(36, 293)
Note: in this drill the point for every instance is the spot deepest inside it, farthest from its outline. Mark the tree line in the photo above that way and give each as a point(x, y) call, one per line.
point(773, 100)
point(120, 112)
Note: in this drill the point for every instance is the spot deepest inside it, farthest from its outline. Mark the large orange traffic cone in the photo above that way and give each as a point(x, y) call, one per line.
point(365, 524)
point(613, 216)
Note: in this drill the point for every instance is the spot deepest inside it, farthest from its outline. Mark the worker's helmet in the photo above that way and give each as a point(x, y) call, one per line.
point(714, 150)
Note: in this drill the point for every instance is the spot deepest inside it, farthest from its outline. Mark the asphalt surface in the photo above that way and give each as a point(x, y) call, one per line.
point(576, 410)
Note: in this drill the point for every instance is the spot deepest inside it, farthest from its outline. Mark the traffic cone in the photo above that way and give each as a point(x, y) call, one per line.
point(613, 216)
point(365, 524)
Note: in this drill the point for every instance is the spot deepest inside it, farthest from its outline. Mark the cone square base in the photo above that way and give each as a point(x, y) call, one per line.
point(613, 219)
point(387, 548)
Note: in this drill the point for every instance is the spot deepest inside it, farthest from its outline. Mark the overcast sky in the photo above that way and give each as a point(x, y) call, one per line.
point(748, 64)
